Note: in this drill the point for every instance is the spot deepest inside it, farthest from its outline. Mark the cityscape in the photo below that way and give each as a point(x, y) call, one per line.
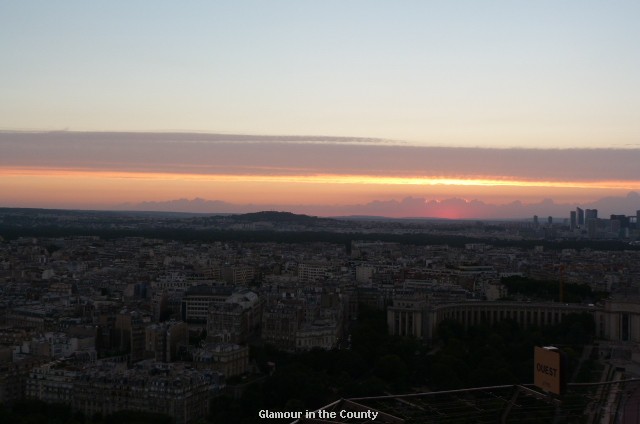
point(321, 212)
point(102, 317)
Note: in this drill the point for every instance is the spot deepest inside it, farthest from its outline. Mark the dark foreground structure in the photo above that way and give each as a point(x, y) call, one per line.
point(616, 401)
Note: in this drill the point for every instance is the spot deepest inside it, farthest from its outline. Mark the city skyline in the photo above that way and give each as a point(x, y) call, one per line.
point(318, 107)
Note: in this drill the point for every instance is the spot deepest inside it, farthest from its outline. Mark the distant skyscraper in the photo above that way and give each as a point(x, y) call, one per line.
point(550, 220)
point(580, 216)
point(535, 220)
point(591, 222)
point(572, 220)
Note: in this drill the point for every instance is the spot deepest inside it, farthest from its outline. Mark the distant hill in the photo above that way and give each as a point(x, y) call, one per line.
point(281, 217)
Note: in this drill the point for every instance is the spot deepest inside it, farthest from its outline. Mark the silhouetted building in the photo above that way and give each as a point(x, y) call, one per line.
point(226, 358)
point(407, 317)
point(619, 225)
point(619, 320)
point(163, 341)
point(14, 376)
point(197, 300)
point(129, 334)
point(236, 319)
point(170, 389)
point(580, 217)
point(239, 275)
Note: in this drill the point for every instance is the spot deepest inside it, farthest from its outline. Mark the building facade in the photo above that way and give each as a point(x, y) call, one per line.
point(402, 320)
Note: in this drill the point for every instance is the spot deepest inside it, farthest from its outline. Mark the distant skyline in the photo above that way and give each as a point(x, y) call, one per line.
point(409, 207)
point(318, 105)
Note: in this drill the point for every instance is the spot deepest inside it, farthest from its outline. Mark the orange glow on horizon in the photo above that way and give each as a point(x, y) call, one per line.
point(86, 188)
point(317, 179)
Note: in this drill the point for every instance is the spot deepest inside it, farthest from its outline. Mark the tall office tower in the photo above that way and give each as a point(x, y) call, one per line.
point(591, 222)
point(590, 214)
point(580, 216)
point(550, 220)
point(573, 221)
point(535, 220)
point(637, 220)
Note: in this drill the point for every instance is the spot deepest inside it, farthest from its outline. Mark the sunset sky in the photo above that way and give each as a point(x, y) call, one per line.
point(409, 108)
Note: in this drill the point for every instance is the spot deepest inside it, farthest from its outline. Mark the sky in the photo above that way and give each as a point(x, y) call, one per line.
point(325, 107)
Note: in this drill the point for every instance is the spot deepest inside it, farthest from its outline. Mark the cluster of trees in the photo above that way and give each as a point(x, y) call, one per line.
point(486, 355)
point(549, 290)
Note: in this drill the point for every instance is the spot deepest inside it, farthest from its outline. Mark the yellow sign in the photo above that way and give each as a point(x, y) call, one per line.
point(547, 369)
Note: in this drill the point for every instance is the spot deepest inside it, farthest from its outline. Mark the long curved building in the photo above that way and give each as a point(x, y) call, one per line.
point(616, 320)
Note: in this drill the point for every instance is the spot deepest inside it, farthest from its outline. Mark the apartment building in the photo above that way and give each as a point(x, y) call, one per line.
point(226, 358)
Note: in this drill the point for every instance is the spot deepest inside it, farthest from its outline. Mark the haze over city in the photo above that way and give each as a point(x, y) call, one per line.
point(419, 109)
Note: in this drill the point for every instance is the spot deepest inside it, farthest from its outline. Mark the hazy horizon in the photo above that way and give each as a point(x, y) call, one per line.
point(314, 175)
point(628, 205)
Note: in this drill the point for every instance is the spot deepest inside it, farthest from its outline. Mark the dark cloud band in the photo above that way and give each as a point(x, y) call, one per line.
point(300, 155)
